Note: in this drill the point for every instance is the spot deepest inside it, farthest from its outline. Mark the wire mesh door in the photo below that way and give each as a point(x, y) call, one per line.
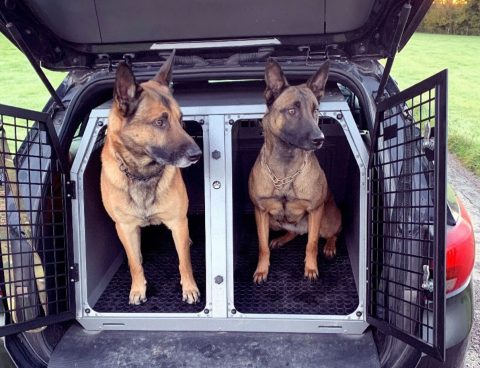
point(407, 216)
point(34, 261)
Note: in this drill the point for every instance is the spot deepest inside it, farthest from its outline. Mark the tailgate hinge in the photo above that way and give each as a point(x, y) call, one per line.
point(70, 189)
point(73, 274)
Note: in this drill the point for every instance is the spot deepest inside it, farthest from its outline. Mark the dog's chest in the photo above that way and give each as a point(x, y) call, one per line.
point(143, 197)
point(287, 209)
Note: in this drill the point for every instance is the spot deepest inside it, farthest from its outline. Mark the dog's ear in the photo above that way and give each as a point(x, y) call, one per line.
point(127, 91)
point(164, 75)
point(318, 81)
point(275, 81)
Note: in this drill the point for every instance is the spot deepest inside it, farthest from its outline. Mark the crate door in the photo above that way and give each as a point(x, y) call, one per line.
point(407, 216)
point(34, 256)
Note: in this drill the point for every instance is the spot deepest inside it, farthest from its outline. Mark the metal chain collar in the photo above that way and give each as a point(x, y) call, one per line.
point(279, 183)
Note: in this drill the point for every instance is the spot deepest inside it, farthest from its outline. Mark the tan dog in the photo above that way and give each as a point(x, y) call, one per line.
point(287, 185)
point(141, 180)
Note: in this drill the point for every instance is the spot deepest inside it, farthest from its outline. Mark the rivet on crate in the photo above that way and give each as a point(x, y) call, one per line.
point(216, 155)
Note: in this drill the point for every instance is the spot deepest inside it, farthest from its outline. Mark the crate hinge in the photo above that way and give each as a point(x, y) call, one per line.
point(402, 21)
point(70, 189)
point(73, 274)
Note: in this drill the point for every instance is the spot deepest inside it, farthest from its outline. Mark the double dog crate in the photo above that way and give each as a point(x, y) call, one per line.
point(393, 238)
point(222, 228)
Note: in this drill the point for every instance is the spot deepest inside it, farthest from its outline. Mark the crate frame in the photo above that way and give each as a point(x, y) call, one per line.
point(221, 316)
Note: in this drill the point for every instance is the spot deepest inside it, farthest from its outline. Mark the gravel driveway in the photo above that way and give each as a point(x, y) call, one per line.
point(467, 186)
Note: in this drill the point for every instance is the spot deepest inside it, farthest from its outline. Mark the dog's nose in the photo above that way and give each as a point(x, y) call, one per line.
point(194, 155)
point(318, 141)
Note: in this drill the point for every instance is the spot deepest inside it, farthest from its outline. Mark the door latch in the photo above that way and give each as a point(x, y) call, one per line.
point(428, 144)
point(427, 283)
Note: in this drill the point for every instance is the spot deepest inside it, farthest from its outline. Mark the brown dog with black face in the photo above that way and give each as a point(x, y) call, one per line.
point(141, 181)
point(287, 185)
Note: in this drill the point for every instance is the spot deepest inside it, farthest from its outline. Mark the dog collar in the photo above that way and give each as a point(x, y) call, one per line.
point(279, 183)
point(123, 168)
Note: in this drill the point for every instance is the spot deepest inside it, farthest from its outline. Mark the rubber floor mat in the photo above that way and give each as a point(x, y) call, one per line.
point(160, 262)
point(286, 291)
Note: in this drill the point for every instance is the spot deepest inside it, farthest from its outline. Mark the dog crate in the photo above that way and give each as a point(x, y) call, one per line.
point(222, 228)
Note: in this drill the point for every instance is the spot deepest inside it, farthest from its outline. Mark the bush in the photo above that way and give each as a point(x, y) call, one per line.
point(453, 17)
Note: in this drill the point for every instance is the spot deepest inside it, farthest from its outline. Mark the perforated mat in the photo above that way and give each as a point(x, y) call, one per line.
point(286, 291)
point(160, 262)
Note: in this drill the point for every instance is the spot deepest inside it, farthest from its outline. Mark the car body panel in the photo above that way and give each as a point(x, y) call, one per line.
point(84, 34)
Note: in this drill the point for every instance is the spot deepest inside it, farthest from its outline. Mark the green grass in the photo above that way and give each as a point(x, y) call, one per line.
point(19, 84)
point(424, 55)
point(427, 54)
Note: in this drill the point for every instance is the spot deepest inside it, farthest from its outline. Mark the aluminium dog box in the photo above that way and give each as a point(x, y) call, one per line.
point(224, 250)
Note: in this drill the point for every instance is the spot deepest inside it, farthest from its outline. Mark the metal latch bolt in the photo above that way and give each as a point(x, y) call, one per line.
point(427, 283)
point(428, 144)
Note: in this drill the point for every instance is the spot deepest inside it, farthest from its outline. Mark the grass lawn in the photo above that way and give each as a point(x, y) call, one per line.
point(427, 54)
point(19, 84)
point(423, 56)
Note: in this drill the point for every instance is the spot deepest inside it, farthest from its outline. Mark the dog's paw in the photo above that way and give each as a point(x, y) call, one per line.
point(190, 293)
point(138, 294)
point(329, 251)
point(311, 268)
point(282, 240)
point(311, 273)
point(277, 243)
point(260, 275)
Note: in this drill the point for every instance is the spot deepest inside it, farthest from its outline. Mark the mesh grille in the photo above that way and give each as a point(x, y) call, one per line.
point(406, 240)
point(160, 262)
point(33, 268)
point(286, 291)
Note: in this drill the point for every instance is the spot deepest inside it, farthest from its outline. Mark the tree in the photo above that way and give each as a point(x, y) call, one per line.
point(453, 17)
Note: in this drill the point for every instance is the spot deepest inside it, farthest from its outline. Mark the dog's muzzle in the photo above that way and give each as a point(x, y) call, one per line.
point(317, 141)
point(188, 157)
point(193, 155)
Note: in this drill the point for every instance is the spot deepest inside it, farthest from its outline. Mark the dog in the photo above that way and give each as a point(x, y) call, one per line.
point(287, 186)
point(141, 183)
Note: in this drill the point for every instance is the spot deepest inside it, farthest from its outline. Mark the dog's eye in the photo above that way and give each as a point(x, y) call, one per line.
point(292, 111)
point(160, 122)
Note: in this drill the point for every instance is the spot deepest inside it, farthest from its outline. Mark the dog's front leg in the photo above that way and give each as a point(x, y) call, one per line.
point(130, 237)
point(311, 263)
point(190, 292)
point(263, 227)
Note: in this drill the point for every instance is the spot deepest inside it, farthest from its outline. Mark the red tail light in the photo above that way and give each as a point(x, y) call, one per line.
point(460, 249)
